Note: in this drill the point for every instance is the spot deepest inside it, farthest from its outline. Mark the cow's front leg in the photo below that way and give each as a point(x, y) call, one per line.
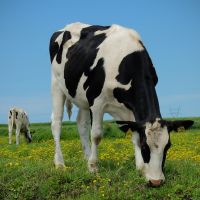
point(58, 100)
point(56, 127)
point(96, 134)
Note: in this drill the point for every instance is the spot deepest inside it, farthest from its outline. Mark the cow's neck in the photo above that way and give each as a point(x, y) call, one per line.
point(141, 97)
point(145, 104)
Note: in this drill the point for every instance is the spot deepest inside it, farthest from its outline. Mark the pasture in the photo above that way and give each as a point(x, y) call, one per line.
point(27, 171)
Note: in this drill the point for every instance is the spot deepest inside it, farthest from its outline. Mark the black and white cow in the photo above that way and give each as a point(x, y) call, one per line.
point(106, 69)
point(18, 118)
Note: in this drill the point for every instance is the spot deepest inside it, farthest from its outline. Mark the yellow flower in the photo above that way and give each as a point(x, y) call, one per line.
point(94, 181)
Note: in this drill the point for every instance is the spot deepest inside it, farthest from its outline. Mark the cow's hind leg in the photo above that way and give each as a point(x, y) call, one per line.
point(10, 133)
point(96, 134)
point(58, 100)
point(83, 122)
point(17, 133)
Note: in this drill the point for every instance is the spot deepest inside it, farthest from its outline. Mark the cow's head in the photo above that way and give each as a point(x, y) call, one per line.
point(152, 142)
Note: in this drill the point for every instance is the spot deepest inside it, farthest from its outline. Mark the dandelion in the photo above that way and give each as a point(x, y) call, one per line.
point(94, 181)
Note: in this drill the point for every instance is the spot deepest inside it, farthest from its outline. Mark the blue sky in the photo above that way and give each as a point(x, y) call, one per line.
point(170, 31)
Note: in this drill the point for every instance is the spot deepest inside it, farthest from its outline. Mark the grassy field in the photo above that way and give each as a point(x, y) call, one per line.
point(27, 170)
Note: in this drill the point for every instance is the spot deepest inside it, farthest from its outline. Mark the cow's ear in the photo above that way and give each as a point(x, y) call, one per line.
point(175, 125)
point(126, 125)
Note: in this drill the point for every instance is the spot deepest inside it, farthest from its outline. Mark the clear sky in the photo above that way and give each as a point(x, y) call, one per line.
point(170, 30)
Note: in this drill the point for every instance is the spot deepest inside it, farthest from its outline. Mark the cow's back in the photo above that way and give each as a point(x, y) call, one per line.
point(89, 57)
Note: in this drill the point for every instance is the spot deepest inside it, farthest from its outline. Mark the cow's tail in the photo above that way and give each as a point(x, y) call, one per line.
point(12, 117)
point(69, 106)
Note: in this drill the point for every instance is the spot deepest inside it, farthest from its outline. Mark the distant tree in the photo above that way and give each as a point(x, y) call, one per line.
point(175, 112)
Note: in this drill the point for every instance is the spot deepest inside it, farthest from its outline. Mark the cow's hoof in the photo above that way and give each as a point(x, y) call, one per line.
point(60, 166)
point(93, 168)
point(86, 157)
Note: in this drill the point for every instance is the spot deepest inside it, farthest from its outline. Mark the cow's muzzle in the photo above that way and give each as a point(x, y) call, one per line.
point(155, 183)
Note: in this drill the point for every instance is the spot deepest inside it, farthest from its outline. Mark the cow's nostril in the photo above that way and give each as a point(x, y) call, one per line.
point(155, 183)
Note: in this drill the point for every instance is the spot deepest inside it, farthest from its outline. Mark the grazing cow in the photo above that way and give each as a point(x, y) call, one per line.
point(107, 69)
point(17, 118)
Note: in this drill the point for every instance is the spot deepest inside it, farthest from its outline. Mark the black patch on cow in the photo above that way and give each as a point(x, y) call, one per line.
point(163, 123)
point(141, 97)
point(54, 46)
point(91, 117)
point(16, 114)
point(94, 85)
point(90, 30)
point(145, 150)
point(66, 37)
point(165, 153)
point(10, 114)
point(81, 57)
point(151, 67)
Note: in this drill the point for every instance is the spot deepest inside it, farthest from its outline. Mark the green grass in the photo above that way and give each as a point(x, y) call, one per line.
point(27, 170)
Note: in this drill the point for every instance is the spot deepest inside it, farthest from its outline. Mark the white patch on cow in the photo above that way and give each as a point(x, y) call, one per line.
point(138, 157)
point(157, 136)
point(80, 100)
point(157, 139)
point(119, 111)
point(59, 38)
point(75, 28)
